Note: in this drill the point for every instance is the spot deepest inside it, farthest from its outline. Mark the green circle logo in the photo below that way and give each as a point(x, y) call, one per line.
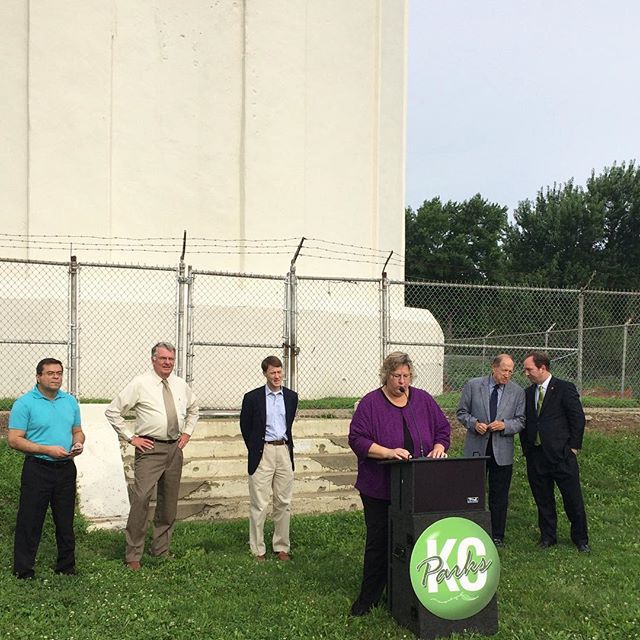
point(455, 568)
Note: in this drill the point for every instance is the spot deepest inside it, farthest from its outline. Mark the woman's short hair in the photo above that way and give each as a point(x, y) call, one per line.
point(392, 362)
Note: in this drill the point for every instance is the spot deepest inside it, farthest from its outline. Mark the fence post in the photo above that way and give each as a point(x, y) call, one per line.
point(580, 344)
point(180, 303)
point(72, 354)
point(290, 330)
point(189, 323)
point(547, 333)
point(484, 347)
point(625, 335)
point(385, 319)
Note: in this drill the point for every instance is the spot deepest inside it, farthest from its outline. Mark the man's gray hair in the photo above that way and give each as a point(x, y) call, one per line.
point(497, 361)
point(162, 345)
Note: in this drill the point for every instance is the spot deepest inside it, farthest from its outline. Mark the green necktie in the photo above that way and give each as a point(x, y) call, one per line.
point(540, 399)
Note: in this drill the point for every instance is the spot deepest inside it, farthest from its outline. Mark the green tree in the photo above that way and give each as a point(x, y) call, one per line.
point(556, 240)
point(456, 241)
point(570, 236)
point(615, 194)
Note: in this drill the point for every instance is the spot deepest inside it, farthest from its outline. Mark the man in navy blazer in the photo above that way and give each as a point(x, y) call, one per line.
point(266, 419)
point(550, 441)
point(492, 411)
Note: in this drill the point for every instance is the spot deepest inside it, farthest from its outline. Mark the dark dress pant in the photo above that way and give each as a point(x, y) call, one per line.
point(542, 475)
point(499, 477)
point(45, 484)
point(376, 558)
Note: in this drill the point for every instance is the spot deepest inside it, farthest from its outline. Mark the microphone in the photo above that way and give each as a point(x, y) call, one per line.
point(405, 391)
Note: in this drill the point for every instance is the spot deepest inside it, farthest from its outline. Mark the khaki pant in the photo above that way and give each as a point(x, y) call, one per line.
point(162, 465)
point(273, 475)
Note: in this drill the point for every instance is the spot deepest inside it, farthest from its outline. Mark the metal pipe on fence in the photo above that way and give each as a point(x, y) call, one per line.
point(181, 281)
point(290, 337)
point(189, 336)
point(484, 346)
point(580, 340)
point(546, 336)
point(385, 319)
point(625, 335)
point(73, 358)
point(290, 332)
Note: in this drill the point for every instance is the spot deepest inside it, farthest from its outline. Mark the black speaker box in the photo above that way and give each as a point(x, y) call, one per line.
point(425, 485)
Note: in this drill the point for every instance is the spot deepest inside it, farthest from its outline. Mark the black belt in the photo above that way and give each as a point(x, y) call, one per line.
point(275, 442)
point(157, 440)
point(50, 463)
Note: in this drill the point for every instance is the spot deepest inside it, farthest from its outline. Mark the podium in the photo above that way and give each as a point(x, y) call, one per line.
point(423, 492)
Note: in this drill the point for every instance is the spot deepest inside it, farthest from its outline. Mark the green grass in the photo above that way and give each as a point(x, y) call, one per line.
point(610, 403)
point(446, 401)
point(328, 403)
point(214, 590)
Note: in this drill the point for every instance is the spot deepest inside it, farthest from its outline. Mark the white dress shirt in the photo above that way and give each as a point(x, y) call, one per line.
point(144, 396)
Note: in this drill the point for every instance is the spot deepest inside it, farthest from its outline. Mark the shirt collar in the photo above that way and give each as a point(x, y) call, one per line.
point(268, 391)
point(545, 384)
point(39, 393)
point(158, 378)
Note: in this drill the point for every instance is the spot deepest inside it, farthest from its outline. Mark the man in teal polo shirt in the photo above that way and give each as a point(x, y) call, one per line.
point(45, 425)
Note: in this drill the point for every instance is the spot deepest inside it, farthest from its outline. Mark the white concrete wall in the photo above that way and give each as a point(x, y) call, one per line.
point(248, 119)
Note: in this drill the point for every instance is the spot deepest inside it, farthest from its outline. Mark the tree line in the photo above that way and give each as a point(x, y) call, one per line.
point(570, 236)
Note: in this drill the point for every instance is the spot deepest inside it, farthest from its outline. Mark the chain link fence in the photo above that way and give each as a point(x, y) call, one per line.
point(34, 320)
point(101, 321)
point(122, 313)
point(338, 337)
point(234, 320)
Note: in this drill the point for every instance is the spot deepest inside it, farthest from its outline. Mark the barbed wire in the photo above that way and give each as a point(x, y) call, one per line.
point(316, 248)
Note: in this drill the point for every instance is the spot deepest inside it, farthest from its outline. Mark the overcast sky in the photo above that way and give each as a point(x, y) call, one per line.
point(508, 96)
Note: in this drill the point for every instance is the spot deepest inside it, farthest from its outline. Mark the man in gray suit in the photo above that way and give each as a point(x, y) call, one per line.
point(492, 411)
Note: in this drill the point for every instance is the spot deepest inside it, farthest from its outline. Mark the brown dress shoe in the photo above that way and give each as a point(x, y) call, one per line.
point(134, 565)
point(282, 555)
point(261, 558)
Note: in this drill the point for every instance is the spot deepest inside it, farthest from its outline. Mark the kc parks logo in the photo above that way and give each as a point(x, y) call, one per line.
point(455, 568)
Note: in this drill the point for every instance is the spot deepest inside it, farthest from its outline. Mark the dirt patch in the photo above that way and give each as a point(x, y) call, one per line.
point(601, 420)
point(613, 420)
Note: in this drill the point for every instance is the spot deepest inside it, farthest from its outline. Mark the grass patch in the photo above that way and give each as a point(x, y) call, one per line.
point(214, 590)
point(328, 403)
point(610, 403)
point(447, 401)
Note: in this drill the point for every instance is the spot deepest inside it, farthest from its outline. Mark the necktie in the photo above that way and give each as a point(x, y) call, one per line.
point(173, 432)
point(540, 399)
point(493, 403)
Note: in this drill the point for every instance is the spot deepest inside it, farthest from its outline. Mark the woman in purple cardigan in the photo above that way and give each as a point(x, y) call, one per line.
point(395, 422)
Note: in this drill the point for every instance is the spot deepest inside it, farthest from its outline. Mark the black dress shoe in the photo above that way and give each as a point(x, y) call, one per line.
point(499, 542)
point(545, 544)
point(359, 608)
point(583, 548)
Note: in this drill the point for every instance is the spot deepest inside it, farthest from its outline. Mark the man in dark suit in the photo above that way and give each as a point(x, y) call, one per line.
point(492, 411)
point(266, 419)
point(550, 442)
